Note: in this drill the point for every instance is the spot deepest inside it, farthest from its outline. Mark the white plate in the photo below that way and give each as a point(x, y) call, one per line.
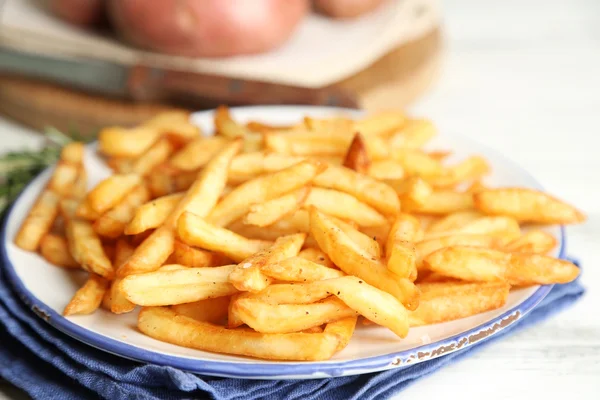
point(48, 289)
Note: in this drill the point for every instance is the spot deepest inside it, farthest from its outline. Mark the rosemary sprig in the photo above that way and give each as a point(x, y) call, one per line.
point(18, 168)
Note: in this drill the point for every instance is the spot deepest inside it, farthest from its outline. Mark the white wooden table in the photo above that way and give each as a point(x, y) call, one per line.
point(522, 76)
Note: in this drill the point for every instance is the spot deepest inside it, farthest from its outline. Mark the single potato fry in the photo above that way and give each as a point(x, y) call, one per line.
point(85, 211)
point(345, 206)
point(86, 248)
point(165, 325)
point(63, 178)
point(178, 285)
point(380, 123)
point(441, 202)
point(157, 154)
point(288, 318)
point(357, 158)
point(316, 256)
point(413, 192)
point(370, 191)
point(195, 231)
point(505, 228)
point(297, 269)
point(196, 258)
point(55, 250)
point(454, 221)
point(208, 310)
point(88, 298)
point(449, 301)
point(418, 163)
point(38, 222)
point(472, 168)
point(527, 205)
point(386, 170)
point(238, 202)
point(197, 153)
point(343, 329)
point(247, 275)
point(535, 241)
point(351, 259)
point(428, 246)
point(153, 214)
point(479, 264)
point(413, 134)
point(273, 210)
point(109, 192)
point(112, 223)
point(73, 153)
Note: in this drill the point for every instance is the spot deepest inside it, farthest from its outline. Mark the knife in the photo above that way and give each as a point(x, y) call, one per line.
point(145, 83)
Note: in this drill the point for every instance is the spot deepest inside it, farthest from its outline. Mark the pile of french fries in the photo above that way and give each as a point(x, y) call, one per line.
point(276, 242)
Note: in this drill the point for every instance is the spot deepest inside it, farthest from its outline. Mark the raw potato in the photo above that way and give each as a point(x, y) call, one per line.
point(208, 28)
point(346, 8)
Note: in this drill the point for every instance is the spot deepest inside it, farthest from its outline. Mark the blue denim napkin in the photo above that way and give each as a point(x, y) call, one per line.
point(50, 365)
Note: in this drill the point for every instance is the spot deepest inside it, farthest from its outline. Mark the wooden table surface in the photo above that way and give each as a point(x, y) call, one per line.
point(523, 77)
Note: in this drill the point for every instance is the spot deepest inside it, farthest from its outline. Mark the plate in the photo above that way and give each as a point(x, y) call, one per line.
point(48, 289)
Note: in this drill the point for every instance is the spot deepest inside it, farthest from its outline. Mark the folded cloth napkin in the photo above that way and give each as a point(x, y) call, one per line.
point(50, 365)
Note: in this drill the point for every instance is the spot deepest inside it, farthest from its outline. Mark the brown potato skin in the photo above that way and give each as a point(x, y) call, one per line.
point(346, 8)
point(84, 13)
point(207, 28)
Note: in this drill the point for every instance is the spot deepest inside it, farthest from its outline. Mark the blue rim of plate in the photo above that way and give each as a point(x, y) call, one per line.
point(274, 370)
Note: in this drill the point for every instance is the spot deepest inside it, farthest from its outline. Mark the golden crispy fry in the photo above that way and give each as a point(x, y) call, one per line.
point(351, 259)
point(271, 211)
point(178, 285)
point(112, 223)
point(247, 275)
point(428, 246)
point(413, 134)
point(527, 205)
point(199, 199)
point(88, 298)
point(278, 229)
point(343, 329)
point(418, 163)
point(448, 301)
point(79, 187)
point(479, 264)
point(158, 153)
point(366, 189)
point(506, 228)
point(85, 211)
point(197, 153)
point(400, 248)
point(375, 304)
point(39, 221)
point(363, 240)
point(87, 250)
point(454, 221)
point(261, 127)
point(196, 258)
point(287, 318)
point(343, 205)
point(207, 310)
point(152, 214)
point(238, 202)
point(118, 302)
point(120, 165)
point(535, 269)
point(357, 158)
point(338, 124)
point(413, 192)
point(55, 250)
point(535, 241)
point(110, 191)
point(63, 178)
point(386, 170)
point(297, 269)
point(164, 324)
point(175, 123)
point(73, 153)
point(443, 202)
point(123, 142)
point(226, 125)
point(472, 168)
point(380, 123)
point(195, 231)
point(316, 256)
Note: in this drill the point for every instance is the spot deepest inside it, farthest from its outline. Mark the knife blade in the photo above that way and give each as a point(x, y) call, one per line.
point(146, 83)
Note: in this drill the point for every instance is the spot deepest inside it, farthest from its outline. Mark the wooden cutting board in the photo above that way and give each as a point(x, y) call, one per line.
point(394, 81)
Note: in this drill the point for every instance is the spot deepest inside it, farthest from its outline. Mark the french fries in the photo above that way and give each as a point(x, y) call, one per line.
point(271, 241)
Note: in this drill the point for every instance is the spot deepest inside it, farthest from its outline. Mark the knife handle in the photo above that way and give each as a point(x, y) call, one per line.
point(152, 84)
